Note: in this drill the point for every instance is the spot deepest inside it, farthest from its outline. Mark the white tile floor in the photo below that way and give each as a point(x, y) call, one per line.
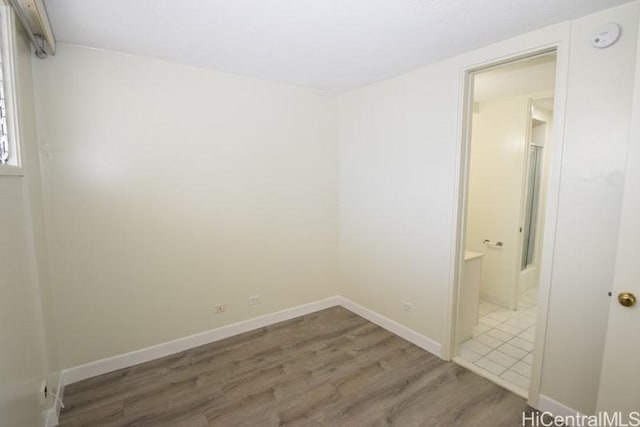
point(502, 343)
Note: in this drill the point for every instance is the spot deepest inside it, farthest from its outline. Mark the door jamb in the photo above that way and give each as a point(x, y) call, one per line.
point(449, 345)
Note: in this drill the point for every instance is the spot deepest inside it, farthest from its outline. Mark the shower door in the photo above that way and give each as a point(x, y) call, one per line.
point(531, 206)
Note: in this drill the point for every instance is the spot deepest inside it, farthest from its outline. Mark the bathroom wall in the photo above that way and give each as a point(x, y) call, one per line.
point(494, 203)
point(497, 181)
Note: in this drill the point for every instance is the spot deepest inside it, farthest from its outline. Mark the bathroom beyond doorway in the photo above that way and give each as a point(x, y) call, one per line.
point(507, 156)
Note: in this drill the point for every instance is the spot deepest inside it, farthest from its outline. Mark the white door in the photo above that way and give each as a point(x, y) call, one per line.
point(620, 377)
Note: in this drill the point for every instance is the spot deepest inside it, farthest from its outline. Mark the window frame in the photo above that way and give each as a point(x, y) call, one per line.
point(8, 61)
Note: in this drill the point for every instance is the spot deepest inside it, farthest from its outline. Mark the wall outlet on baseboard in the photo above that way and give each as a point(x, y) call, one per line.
point(43, 393)
point(254, 300)
point(407, 306)
point(220, 308)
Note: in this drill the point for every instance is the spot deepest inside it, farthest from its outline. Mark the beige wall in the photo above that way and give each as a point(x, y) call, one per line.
point(399, 154)
point(172, 189)
point(28, 342)
point(20, 331)
point(35, 214)
point(397, 161)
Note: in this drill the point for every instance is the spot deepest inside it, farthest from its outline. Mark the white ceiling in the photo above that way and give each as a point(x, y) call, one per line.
point(327, 44)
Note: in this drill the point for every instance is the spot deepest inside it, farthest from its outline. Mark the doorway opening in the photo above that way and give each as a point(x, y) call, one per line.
point(507, 157)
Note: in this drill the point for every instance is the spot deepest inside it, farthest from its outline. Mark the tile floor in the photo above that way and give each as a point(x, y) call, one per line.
point(502, 343)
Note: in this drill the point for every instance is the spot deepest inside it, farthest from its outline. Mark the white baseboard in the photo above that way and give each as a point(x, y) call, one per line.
point(547, 404)
point(110, 364)
point(52, 418)
point(392, 326)
point(53, 414)
point(99, 367)
point(126, 360)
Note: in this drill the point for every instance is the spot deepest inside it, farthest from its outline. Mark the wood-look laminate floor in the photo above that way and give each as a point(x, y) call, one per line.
point(331, 368)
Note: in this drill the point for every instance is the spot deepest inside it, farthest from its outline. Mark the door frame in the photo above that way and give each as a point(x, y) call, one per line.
point(553, 38)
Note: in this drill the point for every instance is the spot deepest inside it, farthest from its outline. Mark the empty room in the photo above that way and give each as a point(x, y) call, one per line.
point(319, 213)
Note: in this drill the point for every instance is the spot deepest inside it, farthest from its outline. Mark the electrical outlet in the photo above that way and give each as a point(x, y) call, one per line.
point(254, 300)
point(407, 306)
point(42, 393)
point(221, 308)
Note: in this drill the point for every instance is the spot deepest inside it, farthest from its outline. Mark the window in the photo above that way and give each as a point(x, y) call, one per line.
point(5, 151)
point(9, 147)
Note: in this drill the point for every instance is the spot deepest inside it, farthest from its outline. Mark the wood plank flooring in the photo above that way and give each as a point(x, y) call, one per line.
point(331, 368)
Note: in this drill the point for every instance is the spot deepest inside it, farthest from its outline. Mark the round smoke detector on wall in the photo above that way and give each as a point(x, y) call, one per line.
point(607, 35)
